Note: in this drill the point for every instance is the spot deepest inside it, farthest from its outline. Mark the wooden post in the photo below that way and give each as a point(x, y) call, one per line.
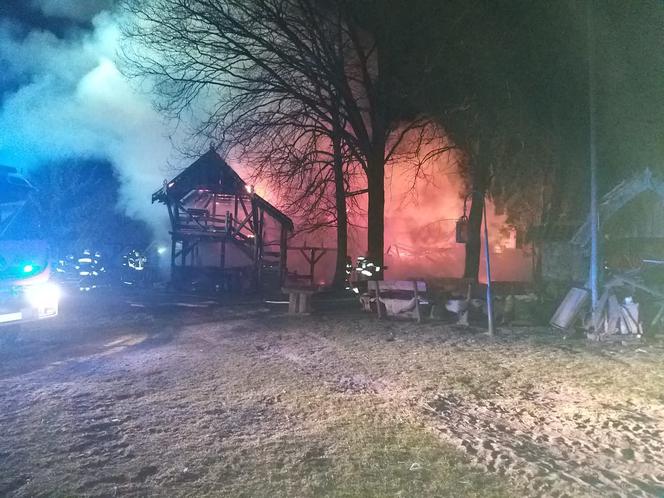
point(417, 302)
point(256, 229)
point(283, 255)
point(304, 302)
point(293, 304)
point(312, 265)
point(259, 246)
point(172, 253)
point(171, 216)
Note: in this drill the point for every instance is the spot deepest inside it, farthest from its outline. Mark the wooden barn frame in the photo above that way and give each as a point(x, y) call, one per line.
point(212, 209)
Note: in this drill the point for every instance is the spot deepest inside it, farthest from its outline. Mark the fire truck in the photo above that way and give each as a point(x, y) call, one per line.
point(26, 290)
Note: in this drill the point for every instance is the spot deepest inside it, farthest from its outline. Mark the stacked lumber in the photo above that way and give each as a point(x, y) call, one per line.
point(616, 315)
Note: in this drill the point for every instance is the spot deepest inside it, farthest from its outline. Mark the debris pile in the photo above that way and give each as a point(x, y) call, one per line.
point(618, 314)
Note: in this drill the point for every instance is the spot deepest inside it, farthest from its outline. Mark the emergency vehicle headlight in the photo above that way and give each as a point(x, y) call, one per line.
point(43, 296)
point(28, 268)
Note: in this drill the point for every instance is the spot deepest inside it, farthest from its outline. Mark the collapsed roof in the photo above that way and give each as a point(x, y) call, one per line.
point(618, 198)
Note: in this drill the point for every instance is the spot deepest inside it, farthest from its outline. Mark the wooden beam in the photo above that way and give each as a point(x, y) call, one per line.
point(173, 256)
point(255, 253)
point(283, 254)
point(312, 257)
point(247, 212)
point(170, 214)
point(357, 192)
point(243, 223)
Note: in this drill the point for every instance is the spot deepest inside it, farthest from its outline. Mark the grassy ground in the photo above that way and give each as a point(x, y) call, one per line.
point(224, 402)
point(355, 453)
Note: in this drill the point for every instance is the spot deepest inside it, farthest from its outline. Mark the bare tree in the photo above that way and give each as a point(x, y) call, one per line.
point(307, 164)
point(78, 200)
point(241, 58)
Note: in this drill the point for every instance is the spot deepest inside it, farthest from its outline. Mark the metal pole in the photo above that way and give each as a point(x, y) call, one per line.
point(489, 302)
point(594, 215)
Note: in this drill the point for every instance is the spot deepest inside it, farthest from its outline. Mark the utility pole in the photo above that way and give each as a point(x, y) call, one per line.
point(489, 297)
point(462, 228)
point(594, 214)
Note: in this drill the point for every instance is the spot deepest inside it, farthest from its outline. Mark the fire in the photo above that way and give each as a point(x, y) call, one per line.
point(420, 223)
point(420, 220)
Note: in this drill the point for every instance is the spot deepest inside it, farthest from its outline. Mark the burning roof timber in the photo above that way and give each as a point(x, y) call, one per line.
point(618, 198)
point(212, 173)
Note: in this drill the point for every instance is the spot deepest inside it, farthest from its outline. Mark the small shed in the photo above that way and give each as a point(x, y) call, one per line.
point(222, 233)
point(631, 222)
point(631, 230)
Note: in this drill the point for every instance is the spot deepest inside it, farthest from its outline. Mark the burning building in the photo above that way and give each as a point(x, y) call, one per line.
point(223, 235)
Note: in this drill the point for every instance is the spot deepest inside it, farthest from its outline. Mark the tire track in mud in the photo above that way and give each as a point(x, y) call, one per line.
point(555, 446)
point(550, 440)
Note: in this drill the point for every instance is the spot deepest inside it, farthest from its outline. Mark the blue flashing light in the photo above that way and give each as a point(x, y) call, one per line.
point(28, 268)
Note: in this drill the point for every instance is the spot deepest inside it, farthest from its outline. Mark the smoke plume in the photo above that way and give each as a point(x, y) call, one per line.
point(62, 96)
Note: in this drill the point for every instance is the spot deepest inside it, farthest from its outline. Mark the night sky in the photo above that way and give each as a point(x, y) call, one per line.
point(62, 95)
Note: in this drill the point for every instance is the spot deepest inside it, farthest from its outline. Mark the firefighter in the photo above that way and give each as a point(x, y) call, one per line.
point(133, 265)
point(89, 266)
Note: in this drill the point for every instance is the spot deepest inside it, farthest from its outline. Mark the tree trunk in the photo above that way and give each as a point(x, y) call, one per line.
point(376, 209)
point(479, 175)
point(474, 244)
point(339, 281)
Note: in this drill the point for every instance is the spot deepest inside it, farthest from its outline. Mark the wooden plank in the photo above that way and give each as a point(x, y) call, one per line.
point(304, 300)
point(658, 316)
point(404, 285)
point(293, 302)
point(612, 315)
point(598, 314)
point(570, 308)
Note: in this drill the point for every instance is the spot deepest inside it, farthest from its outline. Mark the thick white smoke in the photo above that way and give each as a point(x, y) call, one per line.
point(67, 98)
